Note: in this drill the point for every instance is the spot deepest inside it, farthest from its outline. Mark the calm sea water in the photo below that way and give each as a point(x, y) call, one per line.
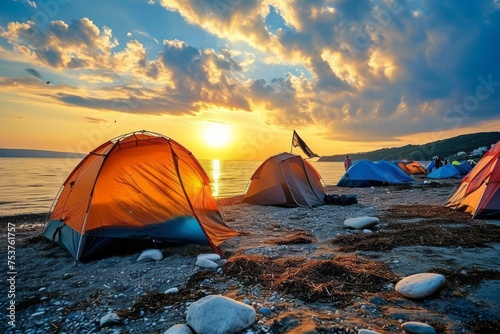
point(29, 185)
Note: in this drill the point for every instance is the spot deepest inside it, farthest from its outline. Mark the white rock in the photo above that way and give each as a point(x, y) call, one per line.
point(219, 315)
point(415, 327)
point(209, 256)
point(204, 263)
point(171, 290)
point(367, 331)
point(36, 314)
point(420, 285)
point(179, 329)
point(361, 222)
point(366, 231)
point(151, 254)
point(109, 320)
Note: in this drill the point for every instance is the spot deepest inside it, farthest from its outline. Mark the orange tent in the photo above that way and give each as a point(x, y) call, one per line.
point(140, 185)
point(412, 167)
point(285, 180)
point(479, 191)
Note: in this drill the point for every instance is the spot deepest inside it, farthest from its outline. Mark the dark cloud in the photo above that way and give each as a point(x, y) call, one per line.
point(131, 105)
point(34, 73)
point(374, 69)
point(95, 120)
point(202, 76)
point(353, 10)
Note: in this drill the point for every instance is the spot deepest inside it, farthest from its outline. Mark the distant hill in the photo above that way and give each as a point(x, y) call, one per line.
point(26, 153)
point(446, 148)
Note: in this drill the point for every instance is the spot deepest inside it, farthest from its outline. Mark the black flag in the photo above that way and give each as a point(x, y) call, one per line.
point(297, 141)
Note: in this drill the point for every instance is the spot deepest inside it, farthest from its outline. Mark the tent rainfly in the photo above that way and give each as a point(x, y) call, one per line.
point(412, 167)
point(285, 179)
point(479, 191)
point(141, 185)
point(365, 173)
point(445, 172)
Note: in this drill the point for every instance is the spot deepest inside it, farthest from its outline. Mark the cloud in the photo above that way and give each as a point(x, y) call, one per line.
point(373, 69)
point(184, 78)
point(377, 68)
point(62, 45)
point(34, 73)
point(32, 3)
point(95, 120)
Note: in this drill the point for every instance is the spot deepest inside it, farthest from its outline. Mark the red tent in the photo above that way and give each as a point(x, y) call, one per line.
point(479, 192)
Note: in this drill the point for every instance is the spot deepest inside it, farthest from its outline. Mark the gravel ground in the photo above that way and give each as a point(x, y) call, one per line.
point(53, 294)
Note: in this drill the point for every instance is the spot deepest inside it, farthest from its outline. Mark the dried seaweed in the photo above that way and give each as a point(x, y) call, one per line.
point(483, 326)
point(423, 211)
point(296, 237)
point(435, 232)
point(34, 300)
point(337, 280)
point(153, 300)
point(474, 277)
point(94, 299)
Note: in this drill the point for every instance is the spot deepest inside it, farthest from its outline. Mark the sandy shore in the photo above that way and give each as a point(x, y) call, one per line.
point(316, 275)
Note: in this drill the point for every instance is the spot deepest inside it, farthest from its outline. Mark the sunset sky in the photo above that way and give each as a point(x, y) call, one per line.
point(232, 79)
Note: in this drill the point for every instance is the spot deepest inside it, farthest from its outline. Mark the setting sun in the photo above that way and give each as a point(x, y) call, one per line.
point(217, 135)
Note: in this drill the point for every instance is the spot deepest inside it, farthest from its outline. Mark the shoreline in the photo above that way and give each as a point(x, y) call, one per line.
point(416, 234)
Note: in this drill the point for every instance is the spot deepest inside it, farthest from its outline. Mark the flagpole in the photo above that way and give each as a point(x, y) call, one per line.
point(291, 144)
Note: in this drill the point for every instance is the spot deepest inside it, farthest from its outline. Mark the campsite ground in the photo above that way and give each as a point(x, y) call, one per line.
point(303, 264)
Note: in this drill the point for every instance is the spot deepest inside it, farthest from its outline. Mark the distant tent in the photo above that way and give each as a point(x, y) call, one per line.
point(479, 191)
point(395, 169)
point(463, 167)
point(364, 173)
point(430, 166)
point(412, 167)
point(140, 185)
point(285, 180)
point(445, 172)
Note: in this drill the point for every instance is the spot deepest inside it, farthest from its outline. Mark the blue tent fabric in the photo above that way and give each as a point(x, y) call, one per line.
point(430, 166)
point(464, 168)
point(445, 172)
point(393, 168)
point(364, 173)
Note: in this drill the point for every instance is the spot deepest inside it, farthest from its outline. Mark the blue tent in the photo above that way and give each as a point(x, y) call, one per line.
point(464, 167)
point(364, 173)
point(446, 172)
point(430, 166)
point(394, 169)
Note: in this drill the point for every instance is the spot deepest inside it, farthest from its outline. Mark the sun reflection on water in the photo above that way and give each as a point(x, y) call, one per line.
point(215, 177)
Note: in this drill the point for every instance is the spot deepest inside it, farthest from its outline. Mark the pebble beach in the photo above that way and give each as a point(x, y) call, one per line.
point(300, 270)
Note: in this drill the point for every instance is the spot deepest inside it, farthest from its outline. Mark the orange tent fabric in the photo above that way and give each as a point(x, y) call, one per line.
point(141, 185)
point(479, 191)
point(285, 180)
point(412, 167)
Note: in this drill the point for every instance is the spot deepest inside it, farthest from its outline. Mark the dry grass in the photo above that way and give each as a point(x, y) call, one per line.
point(337, 280)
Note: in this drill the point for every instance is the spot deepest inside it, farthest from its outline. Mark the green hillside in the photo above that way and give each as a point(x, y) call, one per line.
point(446, 148)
